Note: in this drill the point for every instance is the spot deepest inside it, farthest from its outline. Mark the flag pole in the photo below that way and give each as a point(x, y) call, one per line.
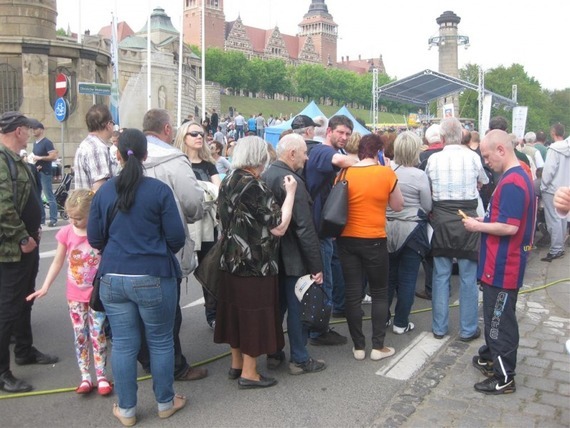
point(180, 60)
point(148, 61)
point(203, 47)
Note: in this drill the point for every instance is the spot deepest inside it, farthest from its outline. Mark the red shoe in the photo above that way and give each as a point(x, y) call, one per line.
point(85, 387)
point(104, 387)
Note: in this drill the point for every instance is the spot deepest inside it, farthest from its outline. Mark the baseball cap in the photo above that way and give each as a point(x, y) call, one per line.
point(11, 120)
point(302, 121)
point(315, 309)
point(432, 134)
point(36, 124)
point(302, 285)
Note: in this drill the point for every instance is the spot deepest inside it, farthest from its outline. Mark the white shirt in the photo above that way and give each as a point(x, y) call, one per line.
point(454, 172)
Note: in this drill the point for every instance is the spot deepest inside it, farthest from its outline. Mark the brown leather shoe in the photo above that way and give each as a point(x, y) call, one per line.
point(193, 373)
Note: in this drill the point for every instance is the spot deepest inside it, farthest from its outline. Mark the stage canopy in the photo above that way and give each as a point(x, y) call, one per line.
point(426, 86)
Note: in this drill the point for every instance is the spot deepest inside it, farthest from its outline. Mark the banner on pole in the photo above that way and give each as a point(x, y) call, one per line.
point(519, 120)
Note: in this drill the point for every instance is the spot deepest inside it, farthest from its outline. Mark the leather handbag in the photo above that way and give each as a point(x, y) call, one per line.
point(208, 272)
point(334, 214)
point(95, 302)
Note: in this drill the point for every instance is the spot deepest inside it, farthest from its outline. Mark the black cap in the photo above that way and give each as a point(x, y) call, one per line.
point(36, 124)
point(302, 121)
point(11, 120)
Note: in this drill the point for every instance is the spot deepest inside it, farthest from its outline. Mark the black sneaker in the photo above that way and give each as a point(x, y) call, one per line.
point(552, 256)
point(484, 366)
point(493, 386)
point(309, 366)
point(330, 338)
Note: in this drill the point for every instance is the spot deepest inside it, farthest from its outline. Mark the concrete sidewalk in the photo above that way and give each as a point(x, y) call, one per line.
point(443, 394)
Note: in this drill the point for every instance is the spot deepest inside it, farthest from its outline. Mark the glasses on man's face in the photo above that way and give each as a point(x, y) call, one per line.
point(112, 123)
point(194, 134)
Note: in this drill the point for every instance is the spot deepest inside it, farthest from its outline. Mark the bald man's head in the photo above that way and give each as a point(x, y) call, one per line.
point(498, 151)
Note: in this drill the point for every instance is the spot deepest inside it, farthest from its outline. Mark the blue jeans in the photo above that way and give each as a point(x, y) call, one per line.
point(404, 268)
point(468, 295)
point(136, 305)
point(296, 331)
point(47, 189)
point(326, 255)
point(338, 282)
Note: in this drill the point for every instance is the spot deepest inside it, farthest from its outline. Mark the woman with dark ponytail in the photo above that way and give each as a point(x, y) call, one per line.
point(135, 220)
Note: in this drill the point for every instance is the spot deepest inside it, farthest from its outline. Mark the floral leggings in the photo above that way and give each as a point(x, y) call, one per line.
point(89, 324)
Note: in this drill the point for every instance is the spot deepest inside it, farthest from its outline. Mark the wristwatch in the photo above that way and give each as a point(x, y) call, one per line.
point(24, 241)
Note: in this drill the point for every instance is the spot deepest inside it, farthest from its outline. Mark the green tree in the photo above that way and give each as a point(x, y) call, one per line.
point(256, 75)
point(276, 78)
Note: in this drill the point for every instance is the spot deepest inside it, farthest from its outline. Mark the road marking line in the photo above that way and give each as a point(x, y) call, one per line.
point(411, 359)
point(200, 301)
point(47, 254)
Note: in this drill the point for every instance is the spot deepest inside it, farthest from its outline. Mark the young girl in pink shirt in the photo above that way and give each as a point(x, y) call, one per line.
point(83, 261)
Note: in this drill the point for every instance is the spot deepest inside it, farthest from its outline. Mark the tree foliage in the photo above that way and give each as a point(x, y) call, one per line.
point(330, 85)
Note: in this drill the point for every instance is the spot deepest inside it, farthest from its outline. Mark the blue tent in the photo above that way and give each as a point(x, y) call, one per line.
point(357, 126)
point(272, 133)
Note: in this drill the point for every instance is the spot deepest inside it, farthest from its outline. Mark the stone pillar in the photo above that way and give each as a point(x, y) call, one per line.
point(448, 56)
point(28, 18)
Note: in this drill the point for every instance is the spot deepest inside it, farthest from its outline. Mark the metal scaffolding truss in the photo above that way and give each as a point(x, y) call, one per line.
point(422, 88)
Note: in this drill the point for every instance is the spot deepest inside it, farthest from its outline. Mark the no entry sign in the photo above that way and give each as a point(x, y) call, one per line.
point(61, 85)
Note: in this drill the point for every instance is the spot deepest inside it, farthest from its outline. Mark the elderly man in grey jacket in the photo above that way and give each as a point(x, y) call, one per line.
point(299, 252)
point(172, 167)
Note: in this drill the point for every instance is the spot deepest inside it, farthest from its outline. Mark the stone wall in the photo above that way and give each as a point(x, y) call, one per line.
point(213, 99)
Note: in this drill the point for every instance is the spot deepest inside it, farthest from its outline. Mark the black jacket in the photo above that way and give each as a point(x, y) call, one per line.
point(300, 251)
point(450, 238)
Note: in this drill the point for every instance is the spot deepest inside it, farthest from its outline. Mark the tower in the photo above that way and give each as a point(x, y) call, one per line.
point(214, 19)
point(447, 42)
point(318, 24)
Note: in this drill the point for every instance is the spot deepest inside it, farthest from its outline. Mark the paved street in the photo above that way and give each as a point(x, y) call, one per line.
point(427, 382)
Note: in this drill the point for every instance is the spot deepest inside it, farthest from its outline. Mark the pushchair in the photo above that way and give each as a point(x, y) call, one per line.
point(62, 191)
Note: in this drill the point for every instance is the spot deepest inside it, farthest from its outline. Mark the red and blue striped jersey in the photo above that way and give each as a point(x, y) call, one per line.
point(502, 259)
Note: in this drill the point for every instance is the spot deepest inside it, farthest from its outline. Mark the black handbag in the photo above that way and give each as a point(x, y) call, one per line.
point(95, 302)
point(334, 214)
point(208, 272)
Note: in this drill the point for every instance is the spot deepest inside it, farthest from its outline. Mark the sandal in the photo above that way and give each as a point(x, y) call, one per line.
point(104, 387)
point(178, 403)
point(85, 387)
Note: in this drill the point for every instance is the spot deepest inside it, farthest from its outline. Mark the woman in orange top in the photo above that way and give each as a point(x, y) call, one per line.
point(362, 244)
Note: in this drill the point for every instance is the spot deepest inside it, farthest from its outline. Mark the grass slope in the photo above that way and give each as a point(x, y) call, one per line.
point(248, 106)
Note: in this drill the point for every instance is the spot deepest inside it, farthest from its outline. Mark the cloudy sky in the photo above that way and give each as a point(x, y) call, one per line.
point(534, 34)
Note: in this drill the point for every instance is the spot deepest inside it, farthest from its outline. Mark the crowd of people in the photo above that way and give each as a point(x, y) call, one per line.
point(460, 199)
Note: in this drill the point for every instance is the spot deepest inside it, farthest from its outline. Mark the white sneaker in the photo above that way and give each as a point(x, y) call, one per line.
point(402, 330)
point(367, 299)
point(377, 354)
point(359, 354)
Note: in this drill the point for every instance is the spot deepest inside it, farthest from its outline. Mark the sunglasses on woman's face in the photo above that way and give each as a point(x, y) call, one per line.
point(195, 134)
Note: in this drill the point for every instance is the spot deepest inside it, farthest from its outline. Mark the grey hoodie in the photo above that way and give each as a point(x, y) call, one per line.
point(556, 171)
point(171, 166)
